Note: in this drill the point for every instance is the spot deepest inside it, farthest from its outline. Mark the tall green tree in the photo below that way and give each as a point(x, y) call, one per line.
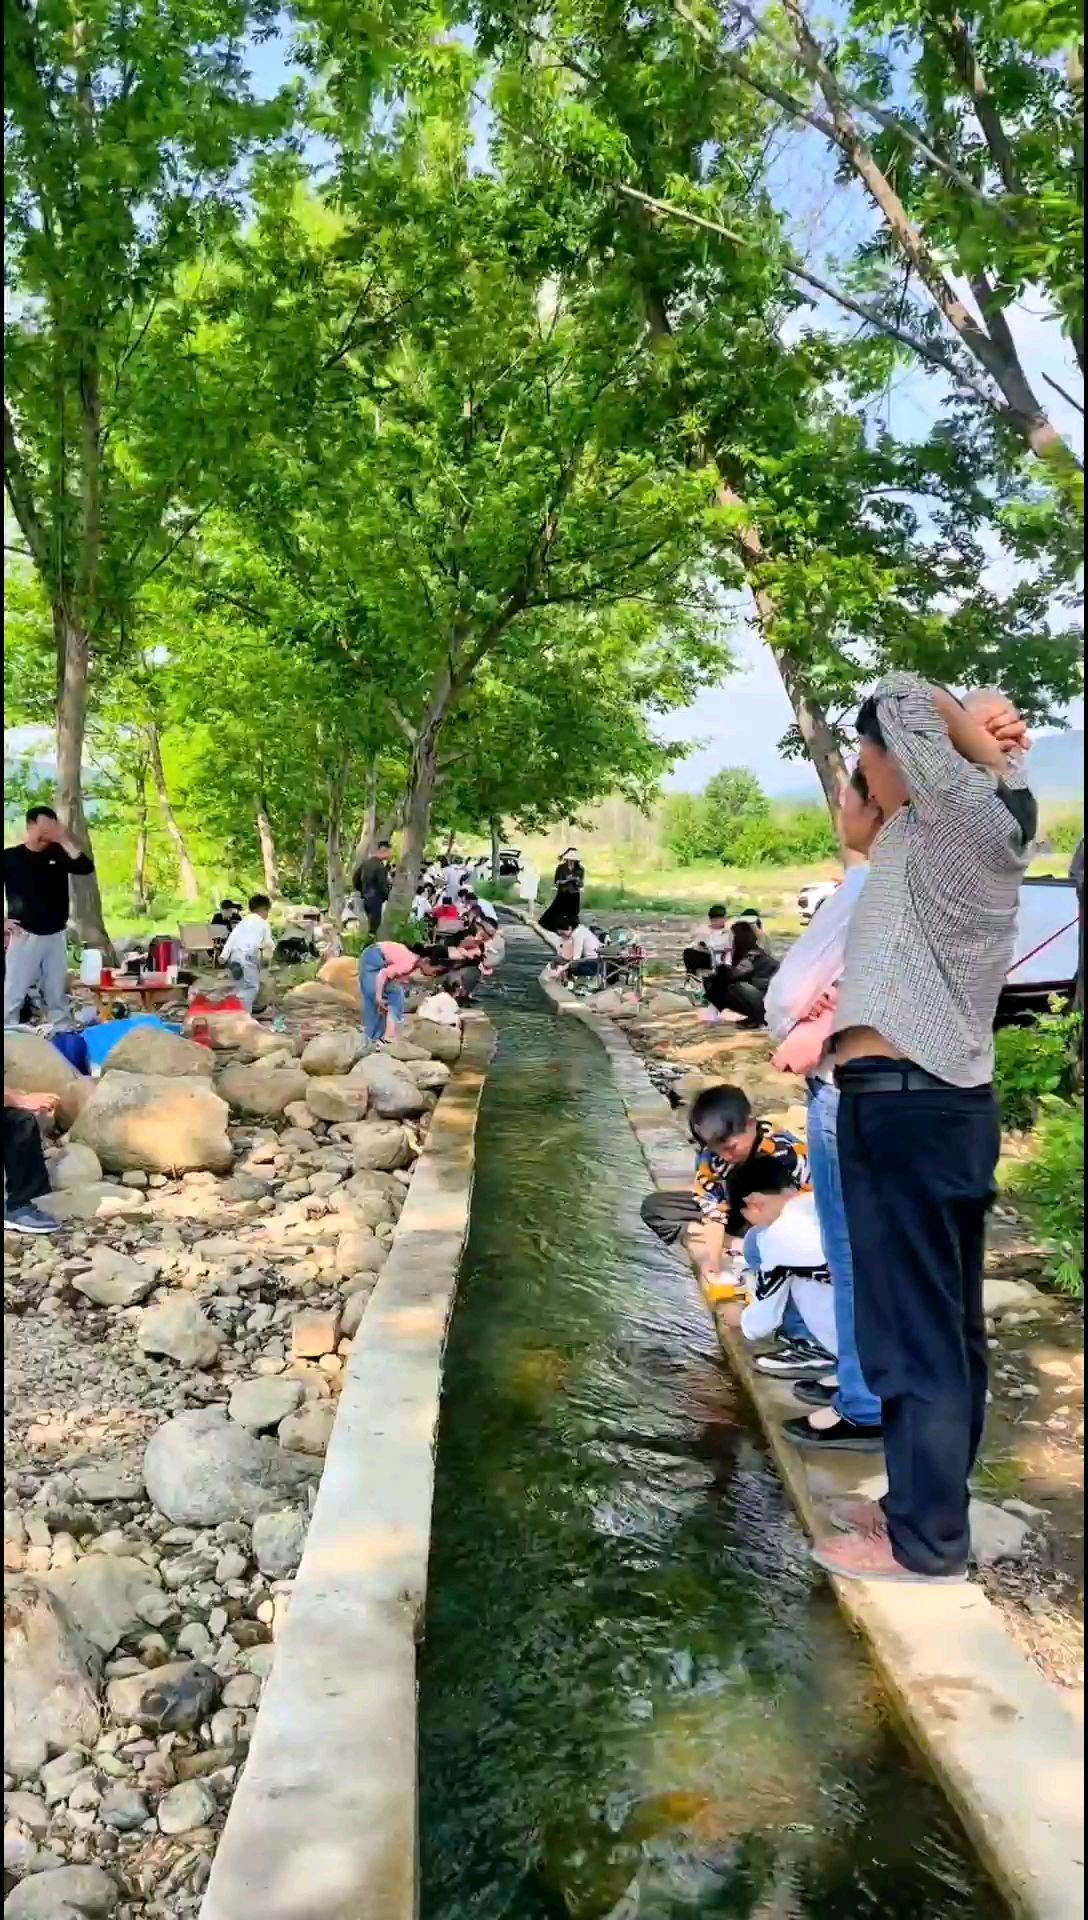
point(128, 129)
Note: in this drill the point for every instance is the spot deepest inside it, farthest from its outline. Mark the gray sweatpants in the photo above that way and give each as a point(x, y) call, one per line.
point(36, 960)
point(249, 986)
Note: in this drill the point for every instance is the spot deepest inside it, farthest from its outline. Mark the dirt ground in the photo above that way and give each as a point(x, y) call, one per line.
point(1033, 1450)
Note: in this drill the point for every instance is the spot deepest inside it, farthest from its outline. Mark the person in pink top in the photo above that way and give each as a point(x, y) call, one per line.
point(383, 970)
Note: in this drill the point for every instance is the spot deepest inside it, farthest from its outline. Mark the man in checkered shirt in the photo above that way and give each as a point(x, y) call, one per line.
point(929, 945)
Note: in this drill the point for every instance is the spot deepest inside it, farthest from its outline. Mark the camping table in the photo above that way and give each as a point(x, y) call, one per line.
point(151, 991)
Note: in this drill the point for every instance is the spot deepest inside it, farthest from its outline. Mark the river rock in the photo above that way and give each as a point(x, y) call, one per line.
point(229, 1030)
point(314, 1332)
point(316, 993)
point(379, 1145)
point(335, 1097)
point(333, 1052)
point(407, 1050)
point(103, 1485)
point(75, 1167)
point(101, 1594)
point(201, 1469)
point(1003, 1296)
point(260, 1091)
point(172, 1698)
point(394, 1094)
point(440, 1042)
point(182, 1332)
point(63, 1893)
point(278, 1540)
point(342, 973)
point(430, 1076)
point(187, 1806)
point(996, 1534)
point(153, 1050)
point(262, 1043)
point(666, 1002)
point(124, 1809)
point(310, 1429)
point(260, 1405)
point(358, 1252)
point(103, 1200)
point(156, 1122)
point(33, 1064)
point(114, 1279)
point(51, 1674)
point(354, 1308)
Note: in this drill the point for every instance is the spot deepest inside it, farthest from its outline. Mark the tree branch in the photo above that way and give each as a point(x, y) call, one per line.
point(23, 505)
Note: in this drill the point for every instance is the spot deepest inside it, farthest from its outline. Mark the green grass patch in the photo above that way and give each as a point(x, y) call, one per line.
point(1049, 1186)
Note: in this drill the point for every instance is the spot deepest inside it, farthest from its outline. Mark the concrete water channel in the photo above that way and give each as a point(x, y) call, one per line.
point(637, 1698)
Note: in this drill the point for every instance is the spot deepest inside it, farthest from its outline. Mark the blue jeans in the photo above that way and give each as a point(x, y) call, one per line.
point(370, 966)
point(793, 1326)
point(854, 1400)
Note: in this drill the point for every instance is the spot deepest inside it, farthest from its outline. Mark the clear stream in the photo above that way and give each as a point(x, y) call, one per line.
point(638, 1701)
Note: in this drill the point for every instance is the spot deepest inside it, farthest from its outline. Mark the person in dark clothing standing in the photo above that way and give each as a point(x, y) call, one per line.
point(36, 876)
point(371, 881)
point(25, 1176)
point(741, 987)
point(927, 950)
point(568, 879)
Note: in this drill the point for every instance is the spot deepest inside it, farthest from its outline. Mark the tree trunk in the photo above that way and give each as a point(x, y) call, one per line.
point(309, 851)
point(334, 858)
point(190, 890)
point(368, 832)
point(422, 780)
point(72, 663)
point(496, 842)
point(139, 884)
point(268, 849)
point(812, 722)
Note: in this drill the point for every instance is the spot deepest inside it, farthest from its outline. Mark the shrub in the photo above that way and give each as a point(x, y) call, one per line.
point(1034, 1061)
point(1050, 1186)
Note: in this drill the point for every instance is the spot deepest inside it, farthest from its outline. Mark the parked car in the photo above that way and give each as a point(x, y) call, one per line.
point(1045, 954)
point(813, 896)
point(509, 863)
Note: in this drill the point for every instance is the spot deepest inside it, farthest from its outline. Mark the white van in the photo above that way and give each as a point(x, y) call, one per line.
point(1045, 954)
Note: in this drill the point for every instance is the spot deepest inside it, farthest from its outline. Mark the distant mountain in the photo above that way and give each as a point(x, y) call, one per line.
point(1055, 767)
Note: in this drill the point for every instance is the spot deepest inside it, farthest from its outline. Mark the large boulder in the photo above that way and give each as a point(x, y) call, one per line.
point(155, 1123)
point(441, 1043)
point(173, 1698)
point(63, 1893)
point(430, 1076)
point(394, 1094)
point(310, 1429)
point(101, 1595)
point(75, 1167)
point(262, 1092)
point(201, 1469)
point(229, 1029)
point(318, 993)
point(338, 1098)
point(342, 972)
point(357, 1252)
point(333, 1053)
point(51, 1674)
point(33, 1064)
point(264, 1041)
point(379, 1144)
point(153, 1050)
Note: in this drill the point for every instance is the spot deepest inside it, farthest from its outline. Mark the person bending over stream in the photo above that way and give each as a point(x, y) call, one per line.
point(383, 971)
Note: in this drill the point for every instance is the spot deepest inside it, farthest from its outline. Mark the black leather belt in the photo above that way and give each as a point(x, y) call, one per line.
point(890, 1079)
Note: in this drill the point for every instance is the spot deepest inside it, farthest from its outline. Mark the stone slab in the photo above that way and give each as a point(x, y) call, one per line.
point(324, 1821)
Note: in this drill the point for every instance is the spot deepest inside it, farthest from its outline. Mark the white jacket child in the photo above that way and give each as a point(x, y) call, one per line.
point(792, 1264)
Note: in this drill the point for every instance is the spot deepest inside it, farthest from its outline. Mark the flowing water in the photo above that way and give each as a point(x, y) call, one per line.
point(638, 1701)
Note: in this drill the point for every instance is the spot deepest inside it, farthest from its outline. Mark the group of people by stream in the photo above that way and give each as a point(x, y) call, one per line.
point(858, 1252)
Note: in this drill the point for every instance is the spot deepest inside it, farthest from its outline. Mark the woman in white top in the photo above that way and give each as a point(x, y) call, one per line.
point(799, 1006)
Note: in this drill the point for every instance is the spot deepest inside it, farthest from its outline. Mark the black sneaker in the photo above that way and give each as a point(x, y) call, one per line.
point(796, 1360)
point(815, 1393)
point(844, 1437)
point(29, 1219)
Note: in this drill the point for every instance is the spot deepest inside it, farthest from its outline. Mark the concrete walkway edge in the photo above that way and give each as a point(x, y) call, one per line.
point(1002, 1744)
point(324, 1820)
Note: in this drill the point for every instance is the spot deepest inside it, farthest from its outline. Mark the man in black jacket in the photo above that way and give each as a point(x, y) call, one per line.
point(36, 875)
point(371, 880)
